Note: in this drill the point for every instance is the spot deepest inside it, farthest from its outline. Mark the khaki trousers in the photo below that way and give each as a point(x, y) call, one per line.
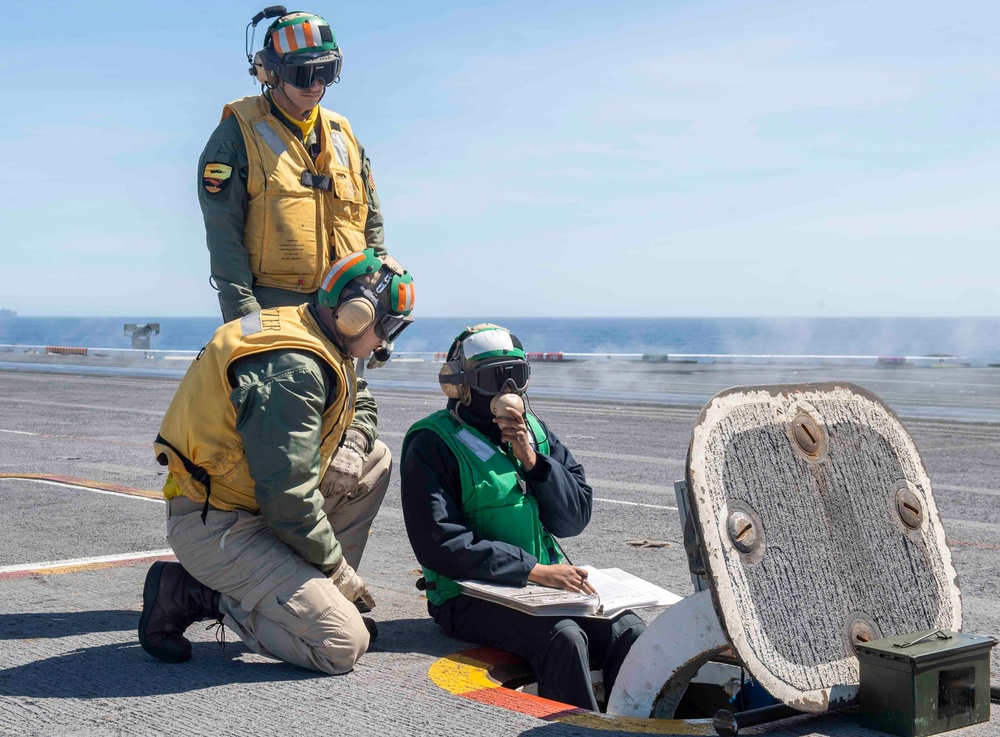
point(280, 605)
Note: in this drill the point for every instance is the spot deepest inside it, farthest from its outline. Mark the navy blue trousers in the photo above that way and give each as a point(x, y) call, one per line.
point(561, 650)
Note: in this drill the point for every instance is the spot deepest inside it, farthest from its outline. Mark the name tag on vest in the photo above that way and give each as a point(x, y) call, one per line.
point(482, 449)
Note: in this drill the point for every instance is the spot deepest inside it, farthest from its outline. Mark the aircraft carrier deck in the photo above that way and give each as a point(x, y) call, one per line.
point(78, 482)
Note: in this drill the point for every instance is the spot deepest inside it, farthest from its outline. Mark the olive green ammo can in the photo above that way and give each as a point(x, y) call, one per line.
point(925, 682)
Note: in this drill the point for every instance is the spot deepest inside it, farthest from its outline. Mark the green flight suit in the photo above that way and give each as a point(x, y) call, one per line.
point(225, 213)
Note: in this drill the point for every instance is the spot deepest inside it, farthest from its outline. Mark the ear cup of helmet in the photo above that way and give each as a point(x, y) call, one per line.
point(354, 317)
point(451, 369)
point(262, 70)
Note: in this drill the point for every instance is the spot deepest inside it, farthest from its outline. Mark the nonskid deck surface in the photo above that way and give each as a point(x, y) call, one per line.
point(73, 558)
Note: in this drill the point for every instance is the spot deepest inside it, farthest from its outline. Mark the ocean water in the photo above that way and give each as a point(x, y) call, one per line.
point(976, 339)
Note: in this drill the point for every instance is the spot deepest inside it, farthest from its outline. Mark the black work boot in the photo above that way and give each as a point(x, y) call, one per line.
point(363, 608)
point(171, 600)
point(371, 627)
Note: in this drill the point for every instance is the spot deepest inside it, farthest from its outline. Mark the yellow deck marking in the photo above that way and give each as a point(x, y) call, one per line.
point(467, 674)
point(459, 674)
point(75, 565)
point(71, 482)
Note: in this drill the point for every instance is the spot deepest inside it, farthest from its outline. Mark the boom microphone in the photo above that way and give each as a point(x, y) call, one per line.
point(269, 12)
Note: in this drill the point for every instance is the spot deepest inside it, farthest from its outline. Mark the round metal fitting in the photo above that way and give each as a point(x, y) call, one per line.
point(861, 632)
point(745, 531)
point(742, 531)
point(909, 507)
point(860, 629)
point(807, 434)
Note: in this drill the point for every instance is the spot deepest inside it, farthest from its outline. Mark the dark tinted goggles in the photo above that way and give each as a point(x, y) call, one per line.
point(303, 75)
point(493, 378)
point(388, 326)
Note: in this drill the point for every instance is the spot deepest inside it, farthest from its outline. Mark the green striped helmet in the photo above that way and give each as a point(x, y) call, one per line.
point(300, 33)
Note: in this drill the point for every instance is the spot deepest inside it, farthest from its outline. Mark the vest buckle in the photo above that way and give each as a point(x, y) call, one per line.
point(316, 181)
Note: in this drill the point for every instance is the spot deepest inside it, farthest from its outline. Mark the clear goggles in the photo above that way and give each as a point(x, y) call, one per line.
point(494, 378)
point(304, 75)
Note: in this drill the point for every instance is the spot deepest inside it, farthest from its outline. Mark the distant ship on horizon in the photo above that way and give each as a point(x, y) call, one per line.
point(7, 313)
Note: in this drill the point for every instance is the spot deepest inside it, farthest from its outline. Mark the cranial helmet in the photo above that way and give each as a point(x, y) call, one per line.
point(363, 290)
point(299, 48)
point(487, 359)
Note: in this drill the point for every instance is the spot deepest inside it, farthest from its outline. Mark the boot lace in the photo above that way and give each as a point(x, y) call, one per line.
point(220, 632)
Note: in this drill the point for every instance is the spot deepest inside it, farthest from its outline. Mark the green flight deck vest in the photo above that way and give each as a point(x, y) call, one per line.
point(493, 505)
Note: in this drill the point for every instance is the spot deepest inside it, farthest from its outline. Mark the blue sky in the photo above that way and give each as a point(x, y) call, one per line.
point(558, 158)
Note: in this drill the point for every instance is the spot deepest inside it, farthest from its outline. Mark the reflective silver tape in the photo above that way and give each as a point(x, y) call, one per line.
point(476, 445)
point(340, 148)
point(271, 138)
point(250, 324)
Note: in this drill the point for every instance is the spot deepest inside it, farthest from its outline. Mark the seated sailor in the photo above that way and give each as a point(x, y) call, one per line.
point(485, 492)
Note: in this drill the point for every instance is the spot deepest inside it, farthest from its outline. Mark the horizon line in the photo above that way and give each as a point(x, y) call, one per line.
point(563, 317)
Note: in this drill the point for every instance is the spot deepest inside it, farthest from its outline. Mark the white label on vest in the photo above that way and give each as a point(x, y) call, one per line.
point(251, 324)
point(271, 138)
point(482, 450)
point(340, 148)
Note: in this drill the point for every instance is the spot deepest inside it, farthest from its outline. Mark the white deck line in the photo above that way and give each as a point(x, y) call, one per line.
point(632, 504)
point(49, 564)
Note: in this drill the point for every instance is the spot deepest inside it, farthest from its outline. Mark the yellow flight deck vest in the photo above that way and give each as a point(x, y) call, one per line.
point(201, 420)
point(301, 215)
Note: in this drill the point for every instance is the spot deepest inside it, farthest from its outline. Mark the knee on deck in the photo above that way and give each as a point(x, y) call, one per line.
point(339, 652)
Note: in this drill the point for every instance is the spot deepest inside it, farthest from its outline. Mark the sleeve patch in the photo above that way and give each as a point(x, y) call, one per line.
point(371, 178)
point(216, 177)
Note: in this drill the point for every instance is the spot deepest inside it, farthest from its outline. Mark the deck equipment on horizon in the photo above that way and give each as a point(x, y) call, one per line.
point(141, 333)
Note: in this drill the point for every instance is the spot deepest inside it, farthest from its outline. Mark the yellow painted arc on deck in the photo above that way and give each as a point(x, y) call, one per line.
point(459, 674)
point(73, 481)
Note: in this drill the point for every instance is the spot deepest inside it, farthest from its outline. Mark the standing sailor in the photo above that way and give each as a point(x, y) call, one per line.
point(286, 189)
point(285, 186)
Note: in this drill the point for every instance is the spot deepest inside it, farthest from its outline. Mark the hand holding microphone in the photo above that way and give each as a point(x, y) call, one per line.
point(503, 403)
point(508, 413)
